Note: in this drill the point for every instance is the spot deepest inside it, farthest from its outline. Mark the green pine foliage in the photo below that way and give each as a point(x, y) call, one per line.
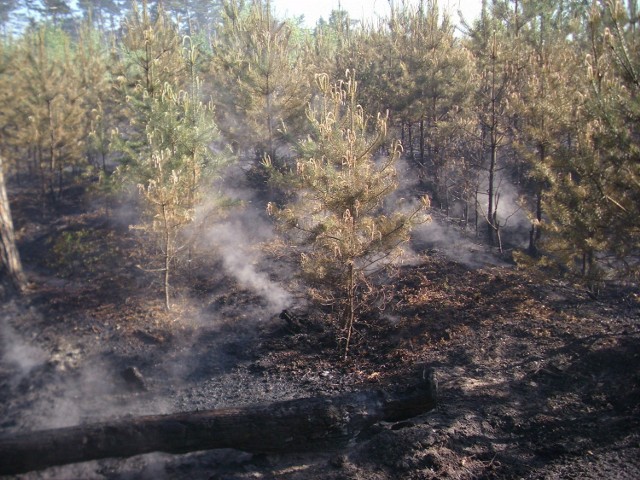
point(343, 222)
point(150, 56)
point(92, 63)
point(593, 202)
point(541, 95)
point(545, 105)
point(47, 121)
point(433, 96)
point(166, 147)
point(261, 85)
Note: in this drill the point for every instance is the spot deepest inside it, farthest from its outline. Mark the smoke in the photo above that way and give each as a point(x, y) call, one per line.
point(86, 394)
point(438, 233)
point(57, 384)
point(235, 240)
point(451, 237)
point(454, 243)
point(508, 205)
point(238, 240)
point(93, 391)
point(20, 356)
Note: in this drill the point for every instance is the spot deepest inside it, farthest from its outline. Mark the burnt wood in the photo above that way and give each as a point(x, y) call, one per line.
point(310, 424)
point(10, 264)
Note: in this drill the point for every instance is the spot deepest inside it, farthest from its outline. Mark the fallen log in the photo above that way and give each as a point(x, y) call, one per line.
point(310, 424)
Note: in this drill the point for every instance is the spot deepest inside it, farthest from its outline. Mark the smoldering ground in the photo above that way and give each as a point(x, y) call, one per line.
point(55, 380)
point(466, 243)
point(445, 234)
point(454, 242)
point(73, 377)
point(239, 237)
point(214, 360)
point(16, 354)
point(235, 240)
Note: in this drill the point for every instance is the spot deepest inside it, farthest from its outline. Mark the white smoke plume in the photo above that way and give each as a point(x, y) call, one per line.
point(235, 240)
point(454, 243)
point(238, 238)
point(16, 353)
point(509, 209)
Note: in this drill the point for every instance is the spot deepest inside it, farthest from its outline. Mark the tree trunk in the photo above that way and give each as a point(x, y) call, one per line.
point(535, 233)
point(422, 154)
point(168, 253)
point(491, 227)
point(351, 307)
point(52, 153)
point(10, 265)
point(493, 160)
point(410, 138)
point(310, 424)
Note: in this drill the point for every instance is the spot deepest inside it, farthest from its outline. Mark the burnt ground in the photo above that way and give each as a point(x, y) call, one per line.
point(537, 379)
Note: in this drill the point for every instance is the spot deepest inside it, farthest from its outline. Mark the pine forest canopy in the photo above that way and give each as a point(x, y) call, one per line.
point(521, 125)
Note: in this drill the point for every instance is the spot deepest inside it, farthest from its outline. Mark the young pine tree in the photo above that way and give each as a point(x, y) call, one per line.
point(165, 150)
point(344, 180)
point(593, 200)
point(495, 46)
point(260, 80)
point(172, 175)
point(47, 121)
point(92, 64)
point(545, 105)
point(433, 94)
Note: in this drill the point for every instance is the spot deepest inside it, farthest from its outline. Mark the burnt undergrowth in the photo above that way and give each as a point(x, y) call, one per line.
point(537, 378)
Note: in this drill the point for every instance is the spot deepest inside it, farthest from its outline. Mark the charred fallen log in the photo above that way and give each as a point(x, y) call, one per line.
point(299, 323)
point(311, 424)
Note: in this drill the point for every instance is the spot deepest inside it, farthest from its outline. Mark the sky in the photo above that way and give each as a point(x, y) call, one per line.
point(361, 9)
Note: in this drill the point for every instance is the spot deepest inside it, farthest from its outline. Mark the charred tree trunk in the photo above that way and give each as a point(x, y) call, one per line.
point(422, 151)
point(10, 265)
point(492, 225)
point(351, 306)
point(410, 139)
point(310, 424)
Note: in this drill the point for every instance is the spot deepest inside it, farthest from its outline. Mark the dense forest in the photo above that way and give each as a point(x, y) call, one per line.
point(205, 208)
point(520, 127)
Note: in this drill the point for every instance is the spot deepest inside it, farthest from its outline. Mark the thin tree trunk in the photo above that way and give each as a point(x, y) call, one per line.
point(43, 179)
point(191, 201)
point(422, 159)
point(351, 308)
point(10, 264)
point(491, 227)
point(476, 211)
point(410, 138)
point(167, 265)
point(52, 152)
point(167, 258)
point(270, 146)
point(535, 232)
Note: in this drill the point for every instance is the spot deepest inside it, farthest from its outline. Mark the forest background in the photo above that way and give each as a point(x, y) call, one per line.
point(521, 128)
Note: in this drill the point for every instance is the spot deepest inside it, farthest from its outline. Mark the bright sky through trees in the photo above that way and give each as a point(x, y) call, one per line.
point(363, 9)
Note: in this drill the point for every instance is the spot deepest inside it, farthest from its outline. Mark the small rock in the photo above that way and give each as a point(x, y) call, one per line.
point(339, 461)
point(134, 379)
point(149, 338)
